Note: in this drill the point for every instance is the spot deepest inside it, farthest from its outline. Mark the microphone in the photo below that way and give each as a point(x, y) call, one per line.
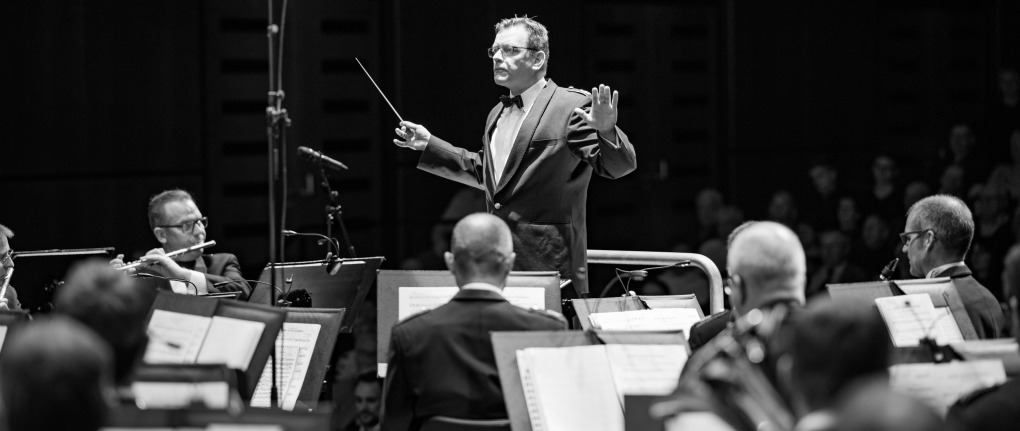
point(887, 272)
point(334, 245)
point(321, 159)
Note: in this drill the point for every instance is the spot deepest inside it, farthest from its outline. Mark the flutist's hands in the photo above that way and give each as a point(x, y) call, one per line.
point(413, 136)
point(118, 262)
point(602, 114)
point(165, 265)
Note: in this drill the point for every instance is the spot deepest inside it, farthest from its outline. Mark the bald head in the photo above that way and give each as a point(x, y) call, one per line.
point(481, 250)
point(766, 262)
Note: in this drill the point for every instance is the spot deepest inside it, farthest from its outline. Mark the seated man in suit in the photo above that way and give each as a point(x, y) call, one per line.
point(178, 224)
point(441, 362)
point(10, 299)
point(767, 272)
point(995, 408)
point(833, 348)
point(761, 275)
point(113, 306)
point(54, 375)
point(938, 233)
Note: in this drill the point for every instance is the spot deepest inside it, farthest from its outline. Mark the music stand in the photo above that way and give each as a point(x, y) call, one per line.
point(585, 307)
point(346, 287)
point(390, 283)
point(208, 307)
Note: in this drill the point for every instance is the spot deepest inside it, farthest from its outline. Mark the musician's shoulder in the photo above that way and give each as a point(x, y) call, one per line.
point(550, 315)
point(411, 318)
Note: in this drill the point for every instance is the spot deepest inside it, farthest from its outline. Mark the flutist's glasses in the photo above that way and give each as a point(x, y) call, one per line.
point(189, 225)
point(8, 255)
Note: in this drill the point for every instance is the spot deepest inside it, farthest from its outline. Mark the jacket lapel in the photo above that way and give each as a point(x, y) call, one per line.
point(527, 132)
point(490, 125)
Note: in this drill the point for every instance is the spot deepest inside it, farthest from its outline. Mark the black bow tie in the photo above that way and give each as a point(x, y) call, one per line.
point(516, 100)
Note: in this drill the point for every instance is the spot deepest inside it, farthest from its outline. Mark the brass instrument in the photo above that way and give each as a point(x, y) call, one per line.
point(171, 255)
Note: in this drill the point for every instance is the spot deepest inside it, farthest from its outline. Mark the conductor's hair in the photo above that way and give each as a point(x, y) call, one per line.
point(6, 232)
point(538, 35)
point(156, 205)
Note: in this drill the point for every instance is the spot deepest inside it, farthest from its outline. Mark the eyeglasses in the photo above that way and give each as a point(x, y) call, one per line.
point(189, 225)
point(8, 255)
point(507, 50)
point(906, 236)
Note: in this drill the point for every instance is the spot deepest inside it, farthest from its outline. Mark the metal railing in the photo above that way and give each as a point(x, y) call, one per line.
point(630, 257)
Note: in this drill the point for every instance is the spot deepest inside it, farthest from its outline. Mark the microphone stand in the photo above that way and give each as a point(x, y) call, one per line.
point(277, 121)
point(334, 212)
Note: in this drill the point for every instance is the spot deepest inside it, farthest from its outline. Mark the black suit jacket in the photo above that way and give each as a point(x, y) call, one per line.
point(981, 305)
point(218, 268)
point(441, 361)
point(543, 190)
point(988, 409)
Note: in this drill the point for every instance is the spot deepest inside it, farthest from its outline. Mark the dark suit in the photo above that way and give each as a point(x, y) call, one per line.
point(988, 409)
point(441, 361)
point(218, 268)
point(543, 190)
point(981, 305)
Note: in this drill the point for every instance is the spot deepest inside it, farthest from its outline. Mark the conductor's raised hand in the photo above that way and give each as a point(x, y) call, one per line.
point(413, 136)
point(602, 114)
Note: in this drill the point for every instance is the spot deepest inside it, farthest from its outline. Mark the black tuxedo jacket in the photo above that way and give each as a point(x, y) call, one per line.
point(981, 305)
point(543, 190)
point(441, 362)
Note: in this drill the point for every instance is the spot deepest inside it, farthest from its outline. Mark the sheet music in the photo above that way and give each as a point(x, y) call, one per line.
point(663, 319)
point(530, 396)
point(3, 336)
point(175, 338)
point(646, 369)
point(295, 356)
point(701, 421)
point(411, 300)
point(177, 395)
point(912, 317)
point(940, 385)
point(230, 341)
point(573, 388)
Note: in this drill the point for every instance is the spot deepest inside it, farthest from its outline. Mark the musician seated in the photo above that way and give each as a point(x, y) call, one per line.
point(54, 375)
point(10, 297)
point(113, 306)
point(178, 224)
point(833, 348)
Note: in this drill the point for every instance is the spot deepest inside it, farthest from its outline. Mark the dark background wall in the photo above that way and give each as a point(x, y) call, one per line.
point(110, 102)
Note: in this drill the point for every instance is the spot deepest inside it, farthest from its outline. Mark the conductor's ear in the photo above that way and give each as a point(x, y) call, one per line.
point(540, 58)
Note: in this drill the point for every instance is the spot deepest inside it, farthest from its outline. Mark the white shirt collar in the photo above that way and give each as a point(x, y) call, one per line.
point(483, 286)
point(528, 96)
point(939, 269)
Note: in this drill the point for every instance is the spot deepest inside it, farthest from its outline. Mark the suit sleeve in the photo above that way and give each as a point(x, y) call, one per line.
point(231, 276)
point(606, 159)
point(453, 163)
point(398, 400)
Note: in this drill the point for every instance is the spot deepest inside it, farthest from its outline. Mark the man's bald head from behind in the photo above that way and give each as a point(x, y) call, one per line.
point(766, 264)
point(481, 250)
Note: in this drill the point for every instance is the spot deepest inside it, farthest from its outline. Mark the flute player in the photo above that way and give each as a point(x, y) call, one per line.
point(177, 223)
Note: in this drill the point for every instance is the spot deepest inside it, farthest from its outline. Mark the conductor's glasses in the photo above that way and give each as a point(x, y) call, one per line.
point(189, 226)
point(508, 50)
